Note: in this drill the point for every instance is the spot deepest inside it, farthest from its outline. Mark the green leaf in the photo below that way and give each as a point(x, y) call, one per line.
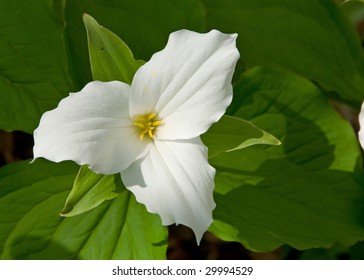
point(31, 196)
point(334, 253)
point(143, 25)
point(306, 193)
point(90, 190)
point(311, 38)
point(34, 69)
point(111, 59)
point(231, 133)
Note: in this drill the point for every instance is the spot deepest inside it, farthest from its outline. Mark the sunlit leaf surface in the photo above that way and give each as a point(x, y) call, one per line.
point(31, 197)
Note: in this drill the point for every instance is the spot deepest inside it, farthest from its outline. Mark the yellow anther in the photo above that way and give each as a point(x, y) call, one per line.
point(150, 133)
point(147, 125)
point(141, 118)
point(151, 116)
point(141, 125)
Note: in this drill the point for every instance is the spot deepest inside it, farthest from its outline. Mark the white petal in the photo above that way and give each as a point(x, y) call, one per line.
point(188, 83)
point(91, 127)
point(361, 122)
point(175, 181)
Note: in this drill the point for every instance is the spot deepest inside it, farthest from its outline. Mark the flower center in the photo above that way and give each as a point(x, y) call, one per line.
point(147, 124)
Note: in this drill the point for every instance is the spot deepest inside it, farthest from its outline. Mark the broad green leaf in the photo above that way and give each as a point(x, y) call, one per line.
point(311, 38)
point(110, 57)
point(34, 69)
point(334, 253)
point(90, 190)
point(31, 196)
point(307, 192)
point(231, 133)
point(143, 25)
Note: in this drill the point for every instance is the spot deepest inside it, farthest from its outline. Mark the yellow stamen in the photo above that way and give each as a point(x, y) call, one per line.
point(150, 133)
point(139, 125)
point(140, 118)
point(151, 116)
point(147, 124)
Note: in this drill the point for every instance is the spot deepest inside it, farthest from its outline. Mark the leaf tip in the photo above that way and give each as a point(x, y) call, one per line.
point(67, 211)
point(88, 20)
point(277, 142)
point(85, 16)
point(64, 213)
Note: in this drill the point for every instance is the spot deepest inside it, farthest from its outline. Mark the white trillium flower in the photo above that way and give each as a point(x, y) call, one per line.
point(149, 131)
